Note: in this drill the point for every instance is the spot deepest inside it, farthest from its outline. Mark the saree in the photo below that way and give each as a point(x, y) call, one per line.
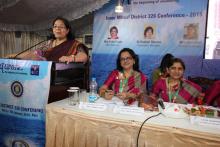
point(212, 94)
point(136, 83)
point(187, 91)
point(66, 48)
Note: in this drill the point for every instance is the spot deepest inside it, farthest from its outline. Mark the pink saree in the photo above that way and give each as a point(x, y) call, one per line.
point(187, 91)
point(135, 83)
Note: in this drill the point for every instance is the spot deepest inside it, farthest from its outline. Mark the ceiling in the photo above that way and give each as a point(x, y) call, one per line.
point(33, 15)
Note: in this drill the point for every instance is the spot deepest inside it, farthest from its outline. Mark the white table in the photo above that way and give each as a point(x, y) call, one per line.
point(69, 126)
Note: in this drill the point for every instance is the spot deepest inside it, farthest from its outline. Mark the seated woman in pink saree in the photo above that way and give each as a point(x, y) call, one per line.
point(126, 82)
point(61, 48)
point(174, 88)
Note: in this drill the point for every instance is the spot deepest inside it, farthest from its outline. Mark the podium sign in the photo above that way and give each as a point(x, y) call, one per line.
point(24, 90)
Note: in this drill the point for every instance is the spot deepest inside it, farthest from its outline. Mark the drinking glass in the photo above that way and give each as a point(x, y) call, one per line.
point(75, 88)
point(73, 96)
point(83, 95)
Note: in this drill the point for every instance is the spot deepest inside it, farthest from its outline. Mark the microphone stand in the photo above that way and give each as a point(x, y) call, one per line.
point(29, 48)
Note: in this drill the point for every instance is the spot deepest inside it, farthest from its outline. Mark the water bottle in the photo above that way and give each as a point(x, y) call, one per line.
point(93, 90)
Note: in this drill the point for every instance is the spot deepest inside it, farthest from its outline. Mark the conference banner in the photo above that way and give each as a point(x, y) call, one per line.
point(151, 28)
point(24, 90)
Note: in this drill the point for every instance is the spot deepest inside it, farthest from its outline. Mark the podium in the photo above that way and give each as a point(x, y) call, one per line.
point(64, 76)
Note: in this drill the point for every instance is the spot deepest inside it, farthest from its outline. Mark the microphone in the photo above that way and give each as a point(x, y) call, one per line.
point(160, 102)
point(48, 38)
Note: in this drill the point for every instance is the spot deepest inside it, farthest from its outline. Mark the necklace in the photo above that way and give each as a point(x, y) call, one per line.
point(56, 42)
point(124, 81)
point(173, 91)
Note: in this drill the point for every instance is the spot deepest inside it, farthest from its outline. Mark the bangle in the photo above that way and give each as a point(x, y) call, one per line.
point(74, 57)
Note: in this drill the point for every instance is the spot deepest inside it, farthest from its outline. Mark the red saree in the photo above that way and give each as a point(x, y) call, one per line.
point(187, 92)
point(135, 83)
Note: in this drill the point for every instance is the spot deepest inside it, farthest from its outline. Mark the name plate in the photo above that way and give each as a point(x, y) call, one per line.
point(93, 106)
point(129, 110)
point(205, 121)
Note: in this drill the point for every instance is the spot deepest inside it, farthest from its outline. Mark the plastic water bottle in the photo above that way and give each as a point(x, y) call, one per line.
point(93, 90)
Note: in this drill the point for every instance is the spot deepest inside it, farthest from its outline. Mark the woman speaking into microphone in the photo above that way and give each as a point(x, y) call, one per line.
point(61, 48)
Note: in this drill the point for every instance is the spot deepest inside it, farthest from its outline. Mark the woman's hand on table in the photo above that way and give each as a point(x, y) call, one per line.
point(122, 95)
point(109, 94)
point(149, 107)
point(152, 96)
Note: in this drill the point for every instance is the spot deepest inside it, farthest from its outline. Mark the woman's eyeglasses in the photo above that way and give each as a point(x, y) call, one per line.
point(59, 27)
point(126, 59)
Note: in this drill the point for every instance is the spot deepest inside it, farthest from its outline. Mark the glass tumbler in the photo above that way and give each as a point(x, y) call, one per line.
point(73, 97)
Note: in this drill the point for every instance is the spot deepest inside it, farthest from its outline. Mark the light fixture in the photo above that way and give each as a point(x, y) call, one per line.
point(119, 8)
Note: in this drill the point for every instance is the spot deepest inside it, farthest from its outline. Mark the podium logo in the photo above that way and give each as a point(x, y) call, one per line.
point(17, 89)
point(35, 70)
point(10, 68)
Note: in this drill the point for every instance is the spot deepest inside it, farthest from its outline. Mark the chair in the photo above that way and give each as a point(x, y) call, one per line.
point(64, 76)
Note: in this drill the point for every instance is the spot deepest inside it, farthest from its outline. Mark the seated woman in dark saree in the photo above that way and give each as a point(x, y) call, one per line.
point(61, 48)
point(175, 88)
point(126, 82)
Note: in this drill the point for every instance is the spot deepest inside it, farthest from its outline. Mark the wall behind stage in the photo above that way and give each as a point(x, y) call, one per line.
point(178, 28)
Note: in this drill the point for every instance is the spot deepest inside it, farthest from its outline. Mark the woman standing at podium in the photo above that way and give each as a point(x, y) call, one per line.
point(62, 47)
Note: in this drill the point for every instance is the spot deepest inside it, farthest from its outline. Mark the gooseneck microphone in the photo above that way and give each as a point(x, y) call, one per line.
point(160, 102)
point(48, 38)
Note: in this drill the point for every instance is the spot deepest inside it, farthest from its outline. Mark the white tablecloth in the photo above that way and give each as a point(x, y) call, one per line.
point(70, 126)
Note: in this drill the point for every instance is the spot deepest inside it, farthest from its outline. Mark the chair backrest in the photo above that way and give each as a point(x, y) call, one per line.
point(64, 76)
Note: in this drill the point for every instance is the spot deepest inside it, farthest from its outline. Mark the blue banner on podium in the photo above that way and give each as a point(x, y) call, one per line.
point(24, 90)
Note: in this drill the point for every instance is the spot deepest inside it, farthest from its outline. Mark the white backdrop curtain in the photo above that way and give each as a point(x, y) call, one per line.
point(7, 45)
point(10, 44)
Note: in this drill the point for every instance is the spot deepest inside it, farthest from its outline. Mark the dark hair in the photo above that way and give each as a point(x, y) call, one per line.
point(191, 26)
point(133, 55)
point(165, 61)
point(70, 35)
point(176, 60)
point(147, 29)
point(114, 27)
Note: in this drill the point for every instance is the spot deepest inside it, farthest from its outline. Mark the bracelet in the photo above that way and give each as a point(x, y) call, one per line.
point(74, 57)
